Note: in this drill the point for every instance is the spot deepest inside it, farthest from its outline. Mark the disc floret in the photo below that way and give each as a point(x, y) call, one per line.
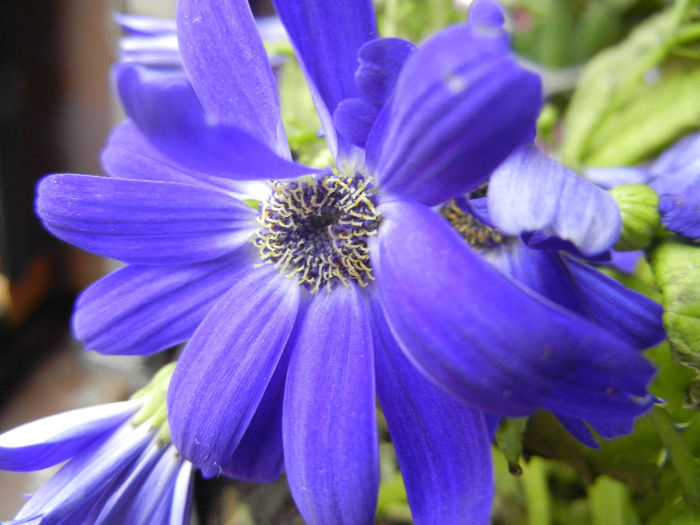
point(316, 231)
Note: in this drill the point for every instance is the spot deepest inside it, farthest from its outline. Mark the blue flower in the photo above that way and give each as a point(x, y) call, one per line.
point(675, 176)
point(117, 471)
point(353, 286)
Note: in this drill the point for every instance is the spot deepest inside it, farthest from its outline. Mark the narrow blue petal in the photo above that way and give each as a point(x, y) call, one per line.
point(579, 429)
point(443, 447)
point(123, 504)
point(167, 111)
point(489, 341)
point(614, 176)
point(354, 118)
point(145, 309)
point(129, 155)
point(532, 192)
point(624, 312)
point(143, 222)
point(226, 367)
point(53, 439)
point(144, 25)
point(326, 35)
point(680, 212)
point(181, 508)
point(78, 491)
point(461, 105)
point(259, 456)
point(226, 62)
point(329, 427)
point(486, 12)
point(680, 162)
point(381, 61)
point(583, 290)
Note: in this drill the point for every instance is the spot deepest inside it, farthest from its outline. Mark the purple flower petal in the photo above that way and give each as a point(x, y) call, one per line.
point(614, 176)
point(486, 339)
point(579, 429)
point(259, 456)
point(144, 25)
point(226, 62)
point(460, 106)
point(624, 312)
point(129, 155)
point(78, 491)
point(226, 367)
point(680, 212)
point(53, 439)
point(328, 423)
point(166, 110)
point(143, 222)
point(354, 118)
point(326, 35)
point(486, 12)
point(583, 290)
point(531, 192)
point(381, 61)
point(145, 309)
point(181, 508)
point(443, 447)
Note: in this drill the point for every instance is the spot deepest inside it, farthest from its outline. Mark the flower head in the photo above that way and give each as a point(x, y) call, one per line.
point(121, 467)
point(346, 281)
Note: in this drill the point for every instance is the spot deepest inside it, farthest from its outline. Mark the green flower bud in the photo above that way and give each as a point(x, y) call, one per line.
point(639, 208)
point(676, 267)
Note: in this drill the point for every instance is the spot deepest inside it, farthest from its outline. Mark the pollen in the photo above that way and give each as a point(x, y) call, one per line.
point(316, 232)
point(470, 228)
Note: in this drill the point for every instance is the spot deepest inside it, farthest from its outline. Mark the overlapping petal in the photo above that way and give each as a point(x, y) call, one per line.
point(145, 309)
point(129, 155)
point(496, 346)
point(443, 447)
point(226, 62)
point(329, 427)
point(621, 310)
point(380, 63)
point(166, 110)
point(454, 117)
point(326, 35)
point(532, 192)
point(53, 439)
point(143, 222)
point(226, 367)
point(680, 213)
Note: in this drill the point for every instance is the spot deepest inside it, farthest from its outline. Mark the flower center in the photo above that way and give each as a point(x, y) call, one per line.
point(317, 231)
point(470, 228)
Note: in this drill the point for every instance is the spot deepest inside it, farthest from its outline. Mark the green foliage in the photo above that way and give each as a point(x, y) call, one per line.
point(676, 266)
point(620, 113)
point(415, 20)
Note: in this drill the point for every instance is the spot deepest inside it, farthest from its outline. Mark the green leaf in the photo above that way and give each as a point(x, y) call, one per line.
point(611, 83)
point(509, 439)
point(610, 503)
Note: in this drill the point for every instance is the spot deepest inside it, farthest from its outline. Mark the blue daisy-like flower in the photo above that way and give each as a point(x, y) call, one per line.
point(120, 467)
point(346, 283)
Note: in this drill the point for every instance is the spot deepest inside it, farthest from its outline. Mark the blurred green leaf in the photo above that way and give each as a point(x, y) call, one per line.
point(509, 439)
point(608, 102)
point(610, 503)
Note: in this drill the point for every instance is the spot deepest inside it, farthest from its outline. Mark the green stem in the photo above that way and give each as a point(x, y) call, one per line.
point(681, 456)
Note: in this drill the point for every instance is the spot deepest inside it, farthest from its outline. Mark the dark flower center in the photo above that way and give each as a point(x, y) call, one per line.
point(470, 228)
point(316, 231)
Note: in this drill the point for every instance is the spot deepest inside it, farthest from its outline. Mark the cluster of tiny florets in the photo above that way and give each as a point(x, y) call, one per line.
point(470, 228)
point(317, 231)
